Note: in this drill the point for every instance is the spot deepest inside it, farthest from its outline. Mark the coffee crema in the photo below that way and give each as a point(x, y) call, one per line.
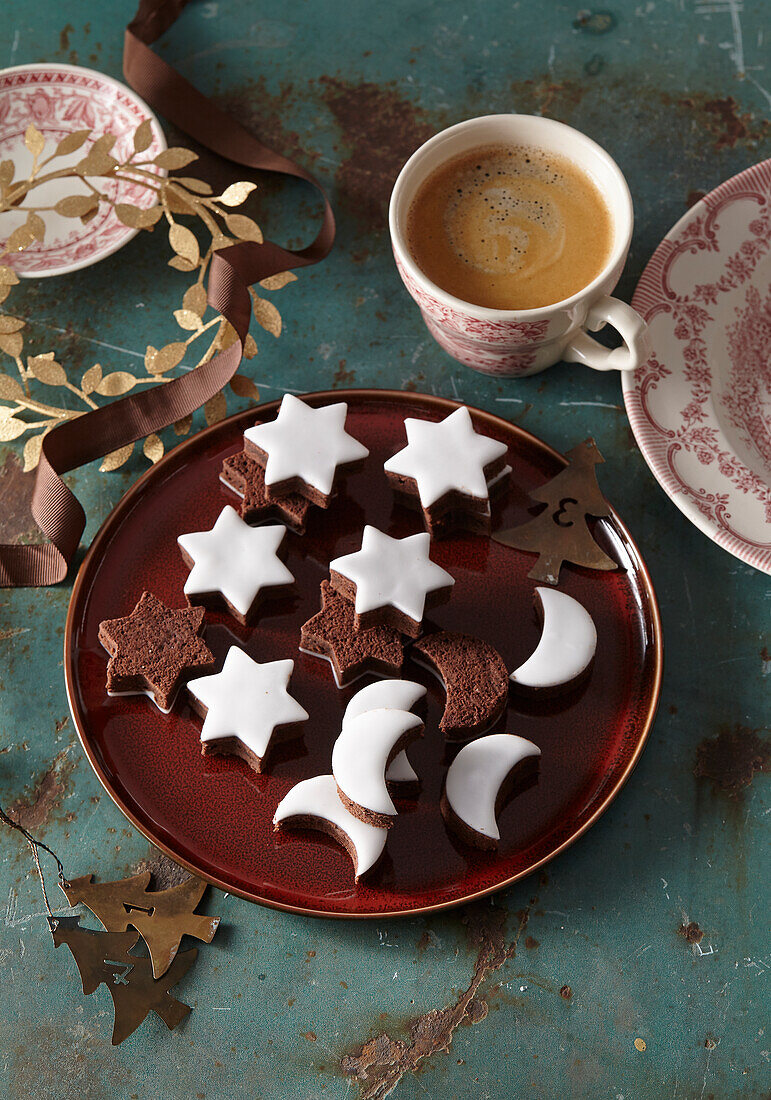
point(509, 227)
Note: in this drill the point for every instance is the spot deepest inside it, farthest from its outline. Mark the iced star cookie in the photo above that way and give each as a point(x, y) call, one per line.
point(245, 707)
point(450, 470)
point(391, 581)
point(332, 634)
point(566, 647)
point(360, 756)
point(247, 478)
point(478, 781)
point(234, 564)
point(315, 804)
point(304, 448)
point(475, 679)
point(393, 695)
point(154, 650)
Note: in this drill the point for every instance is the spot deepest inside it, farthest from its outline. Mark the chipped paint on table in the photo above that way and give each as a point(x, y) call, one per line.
point(637, 964)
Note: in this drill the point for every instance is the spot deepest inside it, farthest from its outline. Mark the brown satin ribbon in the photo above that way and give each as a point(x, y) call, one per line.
point(76, 442)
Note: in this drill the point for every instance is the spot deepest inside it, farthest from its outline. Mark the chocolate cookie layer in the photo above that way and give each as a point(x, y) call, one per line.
point(247, 478)
point(332, 633)
point(475, 678)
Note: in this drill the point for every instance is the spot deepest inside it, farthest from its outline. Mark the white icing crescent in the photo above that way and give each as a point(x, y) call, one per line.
point(360, 755)
point(476, 774)
point(235, 560)
point(247, 700)
point(317, 798)
point(446, 457)
point(392, 695)
point(306, 443)
point(391, 572)
point(567, 644)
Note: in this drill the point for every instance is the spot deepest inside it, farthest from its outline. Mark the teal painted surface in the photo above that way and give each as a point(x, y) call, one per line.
point(675, 91)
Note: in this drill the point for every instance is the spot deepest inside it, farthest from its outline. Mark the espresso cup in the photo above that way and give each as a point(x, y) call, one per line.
point(518, 342)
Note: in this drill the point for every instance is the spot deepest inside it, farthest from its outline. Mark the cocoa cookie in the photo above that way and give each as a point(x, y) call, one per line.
point(235, 565)
point(391, 581)
point(332, 634)
point(475, 678)
point(154, 650)
point(449, 470)
point(304, 449)
point(247, 478)
point(360, 759)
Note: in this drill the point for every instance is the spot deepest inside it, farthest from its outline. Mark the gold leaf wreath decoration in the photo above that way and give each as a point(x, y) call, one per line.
point(21, 413)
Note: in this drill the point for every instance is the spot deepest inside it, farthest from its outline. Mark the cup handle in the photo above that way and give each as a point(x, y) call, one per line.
point(627, 322)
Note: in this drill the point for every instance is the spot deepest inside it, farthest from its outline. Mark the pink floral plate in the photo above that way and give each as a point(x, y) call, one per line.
point(59, 100)
point(700, 408)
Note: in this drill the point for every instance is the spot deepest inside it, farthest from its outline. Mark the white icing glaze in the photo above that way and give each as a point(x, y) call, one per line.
point(392, 695)
point(476, 774)
point(235, 559)
point(445, 457)
point(567, 644)
point(247, 700)
point(306, 443)
point(361, 752)
point(149, 694)
point(318, 798)
point(392, 572)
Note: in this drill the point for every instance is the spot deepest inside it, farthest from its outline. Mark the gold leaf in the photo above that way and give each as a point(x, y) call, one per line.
point(91, 378)
point(170, 159)
point(36, 225)
point(10, 389)
point(180, 264)
point(71, 143)
point(8, 276)
point(34, 140)
point(267, 316)
point(10, 324)
point(159, 361)
point(184, 243)
point(116, 458)
point(12, 344)
point(244, 387)
point(97, 161)
point(178, 202)
point(195, 299)
point(153, 447)
point(135, 217)
point(6, 173)
point(219, 240)
point(11, 428)
point(20, 239)
point(31, 451)
point(104, 143)
point(215, 408)
point(187, 320)
point(47, 370)
point(75, 206)
point(226, 335)
point(250, 347)
point(5, 290)
point(276, 282)
point(143, 136)
point(236, 193)
point(243, 228)
point(183, 426)
point(198, 187)
point(116, 383)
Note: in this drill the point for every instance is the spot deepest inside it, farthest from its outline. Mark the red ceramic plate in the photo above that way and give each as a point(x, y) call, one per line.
point(214, 815)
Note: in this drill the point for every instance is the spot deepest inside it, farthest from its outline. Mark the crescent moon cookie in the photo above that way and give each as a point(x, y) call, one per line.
point(567, 645)
point(234, 564)
point(315, 804)
point(245, 707)
point(393, 695)
point(303, 449)
point(477, 782)
point(154, 650)
point(391, 581)
point(475, 678)
point(360, 756)
point(247, 478)
point(449, 469)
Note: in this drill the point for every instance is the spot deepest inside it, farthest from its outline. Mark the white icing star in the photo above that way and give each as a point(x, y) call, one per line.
point(235, 560)
point(247, 700)
point(392, 572)
point(446, 457)
point(306, 443)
